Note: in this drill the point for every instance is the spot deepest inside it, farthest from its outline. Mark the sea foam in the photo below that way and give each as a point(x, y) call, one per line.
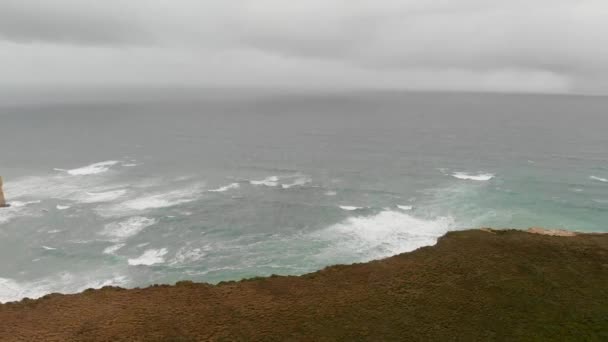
point(97, 197)
point(349, 207)
point(151, 201)
point(297, 182)
point(149, 257)
point(112, 249)
point(12, 290)
point(226, 187)
point(268, 181)
point(387, 233)
point(125, 229)
point(92, 169)
point(474, 177)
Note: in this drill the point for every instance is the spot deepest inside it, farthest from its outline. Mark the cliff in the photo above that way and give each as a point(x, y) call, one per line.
point(2, 200)
point(472, 285)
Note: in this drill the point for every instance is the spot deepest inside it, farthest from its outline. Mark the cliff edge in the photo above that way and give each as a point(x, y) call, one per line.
point(472, 285)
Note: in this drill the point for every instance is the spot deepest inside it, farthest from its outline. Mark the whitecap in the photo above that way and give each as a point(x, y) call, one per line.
point(149, 257)
point(186, 255)
point(164, 200)
point(98, 197)
point(17, 209)
point(350, 207)
point(62, 207)
point(405, 207)
point(112, 249)
point(600, 179)
point(92, 169)
point(330, 193)
point(12, 290)
point(18, 204)
point(49, 248)
point(387, 233)
point(268, 181)
point(226, 188)
point(298, 182)
point(125, 229)
point(129, 165)
point(151, 201)
point(475, 177)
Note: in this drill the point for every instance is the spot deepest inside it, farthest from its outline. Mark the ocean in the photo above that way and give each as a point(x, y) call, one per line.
point(133, 188)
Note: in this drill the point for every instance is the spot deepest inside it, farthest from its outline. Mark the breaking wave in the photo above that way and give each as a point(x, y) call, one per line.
point(12, 290)
point(96, 197)
point(298, 182)
point(364, 238)
point(226, 188)
point(125, 229)
point(149, 257)
point(92, 169)
point(600, 179)
point(268, 181)
point(152, 201)
point(349, 207)
point(475, 177)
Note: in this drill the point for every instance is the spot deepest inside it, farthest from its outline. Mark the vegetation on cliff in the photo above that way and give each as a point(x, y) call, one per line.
point(472, 285)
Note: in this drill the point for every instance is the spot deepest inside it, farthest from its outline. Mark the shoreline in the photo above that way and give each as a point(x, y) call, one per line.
point(462, 287)
point(531, 230)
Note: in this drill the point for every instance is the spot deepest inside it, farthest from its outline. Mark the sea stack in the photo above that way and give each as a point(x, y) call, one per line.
point(2, 200)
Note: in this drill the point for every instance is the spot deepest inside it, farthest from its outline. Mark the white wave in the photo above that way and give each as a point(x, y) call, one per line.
point(152, 201)
point(157, 201)
point(62, 207)
point(405, 207)
point(18, 204)
point(125, 229)
point(387, 233)
point(330, 193)
point(43, 187)
point(98, 197)
point(112, 249)
point(186, 255)
point(268, 181)
point(226, 188)
point(12, 290)
point(49, 248)
point(298, 182)
point(475, 177)
point(92, 169)
point(129, 165)
point(604, 180)
point(18, 209)
point(150, 257)
point(349, 207)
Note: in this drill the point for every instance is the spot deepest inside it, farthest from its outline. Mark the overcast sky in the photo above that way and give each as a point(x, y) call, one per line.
point(479, 45)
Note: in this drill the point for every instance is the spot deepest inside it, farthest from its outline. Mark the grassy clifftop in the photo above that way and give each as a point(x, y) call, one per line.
point(472, 285)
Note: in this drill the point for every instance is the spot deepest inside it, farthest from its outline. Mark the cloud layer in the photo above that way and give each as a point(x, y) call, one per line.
point(489, 45)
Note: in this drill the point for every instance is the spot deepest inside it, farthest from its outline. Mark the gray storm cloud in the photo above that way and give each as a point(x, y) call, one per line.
point(536, 45)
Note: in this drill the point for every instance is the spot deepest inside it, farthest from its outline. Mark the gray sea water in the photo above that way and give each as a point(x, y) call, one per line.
point(134, 188)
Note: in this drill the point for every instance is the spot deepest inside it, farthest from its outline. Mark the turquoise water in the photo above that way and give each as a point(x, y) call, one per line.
point(136, 188)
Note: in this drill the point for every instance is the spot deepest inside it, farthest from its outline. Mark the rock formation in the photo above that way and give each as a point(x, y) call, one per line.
point(2, 200)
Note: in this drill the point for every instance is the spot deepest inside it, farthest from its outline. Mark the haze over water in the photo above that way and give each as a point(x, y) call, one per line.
point(155, 187)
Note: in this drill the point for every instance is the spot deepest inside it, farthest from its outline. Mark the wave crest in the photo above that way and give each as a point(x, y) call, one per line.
point(387, 233)
point(475, 177)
